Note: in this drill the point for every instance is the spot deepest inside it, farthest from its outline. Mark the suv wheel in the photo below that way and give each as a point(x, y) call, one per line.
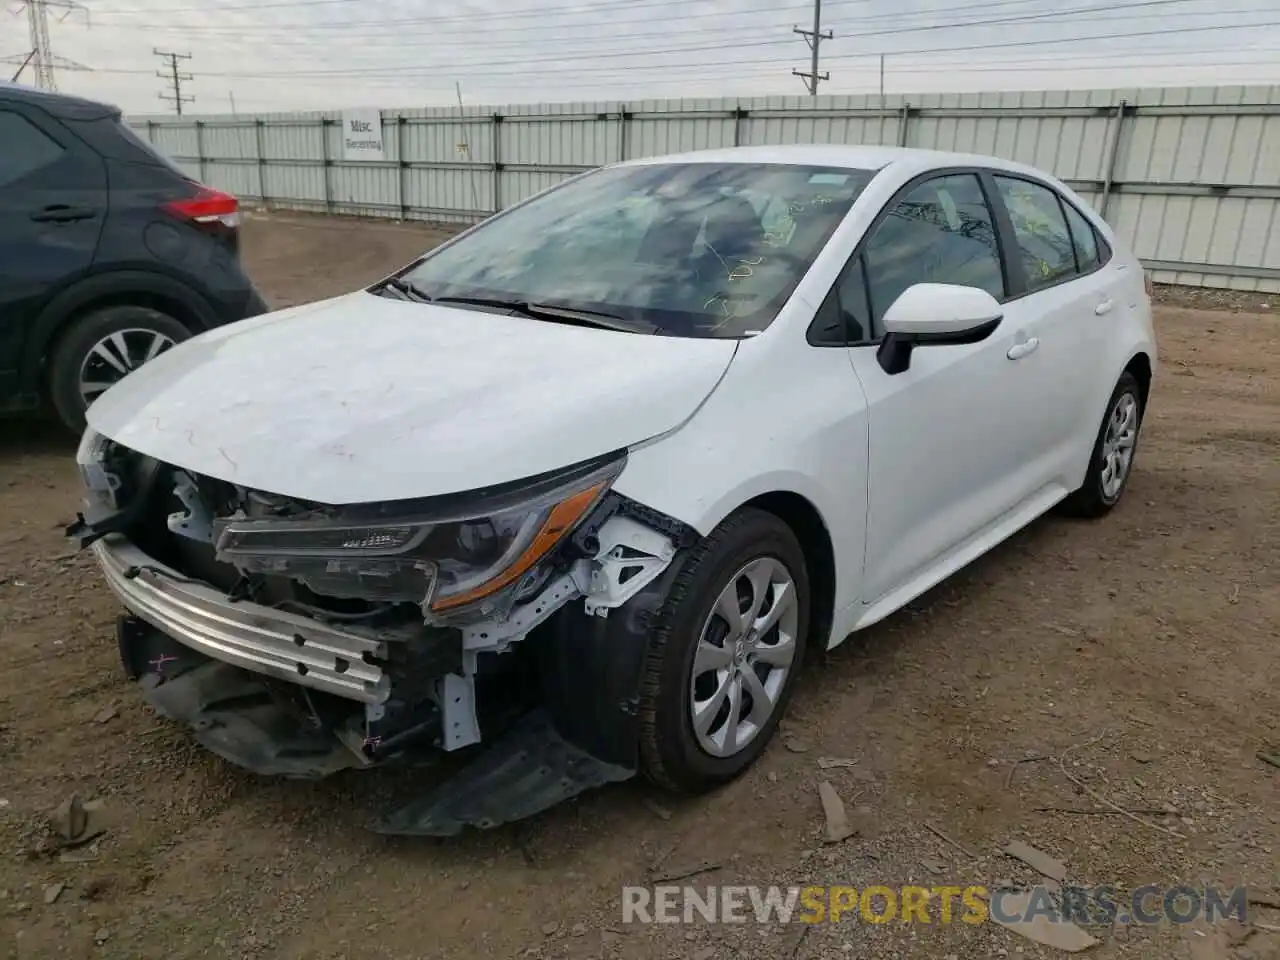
point(97, 350)
point(726, 648)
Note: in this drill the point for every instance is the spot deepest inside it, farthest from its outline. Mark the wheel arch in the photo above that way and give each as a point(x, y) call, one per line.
point(807, 523)
point(1140, 366)
point(122, 288)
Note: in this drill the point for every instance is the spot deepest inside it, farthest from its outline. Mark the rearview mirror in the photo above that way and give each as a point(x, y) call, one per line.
point(935, 314)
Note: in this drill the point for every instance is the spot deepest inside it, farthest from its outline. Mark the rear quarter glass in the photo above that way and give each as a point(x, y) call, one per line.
point(115, 140)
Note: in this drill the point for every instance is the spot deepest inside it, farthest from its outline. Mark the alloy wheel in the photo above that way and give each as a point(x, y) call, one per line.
point(113, 357)
point(744, 657)
point(1118, 444)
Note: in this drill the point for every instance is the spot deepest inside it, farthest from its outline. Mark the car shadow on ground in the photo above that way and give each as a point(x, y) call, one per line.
point(36, 436)
point(593, 818)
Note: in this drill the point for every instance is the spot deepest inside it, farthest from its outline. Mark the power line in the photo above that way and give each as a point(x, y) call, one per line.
point(814, 38)
point(540, 13)
point(175, 78)
point(529, 33)
point(526, 66)
point(593, 49)
point(380, 27)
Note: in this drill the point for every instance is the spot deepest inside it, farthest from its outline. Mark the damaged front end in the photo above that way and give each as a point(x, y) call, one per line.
point(298, 639)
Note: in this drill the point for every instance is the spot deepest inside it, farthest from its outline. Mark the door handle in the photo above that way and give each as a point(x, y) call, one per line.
point(61, 213)
point(1103, 308)
point(1022, 348)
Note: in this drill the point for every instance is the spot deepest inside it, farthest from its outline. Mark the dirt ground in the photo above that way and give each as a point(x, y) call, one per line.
point(1133, 659)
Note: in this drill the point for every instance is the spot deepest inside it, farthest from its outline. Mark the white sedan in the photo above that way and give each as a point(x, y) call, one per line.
point(589, 480)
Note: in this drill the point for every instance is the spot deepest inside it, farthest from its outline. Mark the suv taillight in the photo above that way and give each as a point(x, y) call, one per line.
point(208, 208)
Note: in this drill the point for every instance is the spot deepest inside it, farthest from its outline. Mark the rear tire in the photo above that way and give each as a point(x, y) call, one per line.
point(750, 570)
point(100, 348)
point(1114, 451)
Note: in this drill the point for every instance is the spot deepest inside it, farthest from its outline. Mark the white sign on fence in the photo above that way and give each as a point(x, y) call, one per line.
point(362, 135)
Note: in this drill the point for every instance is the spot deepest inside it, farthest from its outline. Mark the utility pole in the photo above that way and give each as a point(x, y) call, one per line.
point(174, 77)
point(41, 57)
point(814, 38)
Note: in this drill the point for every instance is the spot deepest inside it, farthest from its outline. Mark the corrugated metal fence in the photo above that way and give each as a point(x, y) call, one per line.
point(1190, 175)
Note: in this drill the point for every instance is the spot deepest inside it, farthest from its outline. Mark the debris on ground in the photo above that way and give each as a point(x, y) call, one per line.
point(946, 839)
point(106, 714)
point(1264, 898)
point(657, 809)
point(691, 870)
point(1037, 860)
point(933, 865)
point(78, 821)
point(838, 825)
point(1271, 758)
point(1057, 933)
point(52, 891)
point(86, 855)
point(550, 927)
point(833, 763)
point(796, 745)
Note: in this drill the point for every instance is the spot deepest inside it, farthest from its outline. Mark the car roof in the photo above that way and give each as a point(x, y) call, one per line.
point(908, 160)
point(57, 104)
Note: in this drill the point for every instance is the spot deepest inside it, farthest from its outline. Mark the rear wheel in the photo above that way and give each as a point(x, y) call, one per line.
point(726, 648)
point(97, 350)
point(1114, 450)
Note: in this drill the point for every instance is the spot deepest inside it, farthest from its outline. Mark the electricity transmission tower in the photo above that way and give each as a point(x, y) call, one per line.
point(174, 77)
point(814, 38)
point(40, 57)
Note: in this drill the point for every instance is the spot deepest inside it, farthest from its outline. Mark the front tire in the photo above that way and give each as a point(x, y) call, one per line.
point(97, 350)
point(727, 645)
point(1114, 450)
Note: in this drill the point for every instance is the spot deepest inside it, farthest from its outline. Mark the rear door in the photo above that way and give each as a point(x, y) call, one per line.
point(1061, 303)
point(53, 202)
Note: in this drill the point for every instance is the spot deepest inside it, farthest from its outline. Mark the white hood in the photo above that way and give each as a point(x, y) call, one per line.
point(363, 398)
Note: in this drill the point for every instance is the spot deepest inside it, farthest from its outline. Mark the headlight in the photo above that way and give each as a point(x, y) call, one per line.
point(447, 561)
point(100, 482)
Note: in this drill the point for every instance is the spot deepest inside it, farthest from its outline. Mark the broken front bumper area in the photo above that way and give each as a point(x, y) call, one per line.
point(299, 649)
point(294, 696)
point(238, 716)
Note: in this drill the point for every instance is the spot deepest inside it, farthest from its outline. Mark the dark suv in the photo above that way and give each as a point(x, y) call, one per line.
point(109, 253)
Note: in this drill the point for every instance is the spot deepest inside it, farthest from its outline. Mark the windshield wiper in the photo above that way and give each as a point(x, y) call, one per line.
point(554, 313)
point(406, 288)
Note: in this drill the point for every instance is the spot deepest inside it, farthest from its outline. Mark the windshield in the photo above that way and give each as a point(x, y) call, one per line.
point(691, 250)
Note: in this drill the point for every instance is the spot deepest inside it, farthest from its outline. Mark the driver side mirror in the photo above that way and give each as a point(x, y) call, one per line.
point(935, 314)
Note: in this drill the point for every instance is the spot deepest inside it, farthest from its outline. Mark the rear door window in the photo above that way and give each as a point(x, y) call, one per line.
point(1040, 228)
point(26, 148)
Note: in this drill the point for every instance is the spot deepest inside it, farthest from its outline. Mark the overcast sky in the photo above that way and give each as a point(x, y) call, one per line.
point(309, 54)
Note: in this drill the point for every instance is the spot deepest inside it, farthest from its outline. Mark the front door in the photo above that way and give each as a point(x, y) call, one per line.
point(948, 435)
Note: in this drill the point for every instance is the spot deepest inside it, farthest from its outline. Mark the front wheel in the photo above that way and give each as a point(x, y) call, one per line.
point(1111, 460)
point(99, 349)
point(726, 648)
